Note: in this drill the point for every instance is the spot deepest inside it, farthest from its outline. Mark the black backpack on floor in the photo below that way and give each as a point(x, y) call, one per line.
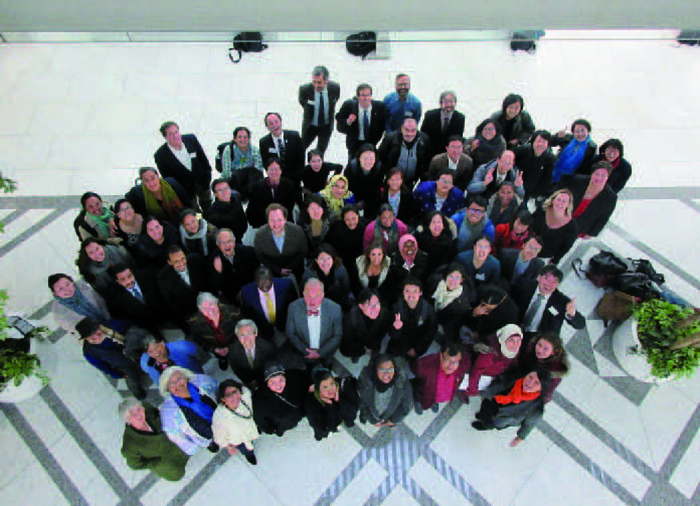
point(361, 44)
point(246, 42)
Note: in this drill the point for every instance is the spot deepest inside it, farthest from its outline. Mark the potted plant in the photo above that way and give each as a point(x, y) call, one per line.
point(21, 376)
point(659, 342)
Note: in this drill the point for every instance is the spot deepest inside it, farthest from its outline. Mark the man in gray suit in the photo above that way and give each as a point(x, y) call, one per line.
point(314, 324)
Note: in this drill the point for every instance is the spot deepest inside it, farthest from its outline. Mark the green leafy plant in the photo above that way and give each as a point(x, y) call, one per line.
point(669, 337)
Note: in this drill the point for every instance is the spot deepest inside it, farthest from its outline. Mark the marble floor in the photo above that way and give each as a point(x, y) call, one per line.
point(84, 116)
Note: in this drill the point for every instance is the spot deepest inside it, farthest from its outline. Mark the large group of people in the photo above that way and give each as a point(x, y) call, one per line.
point(432, 254)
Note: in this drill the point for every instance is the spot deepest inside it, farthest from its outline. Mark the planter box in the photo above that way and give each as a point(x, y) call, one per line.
point(636, 365)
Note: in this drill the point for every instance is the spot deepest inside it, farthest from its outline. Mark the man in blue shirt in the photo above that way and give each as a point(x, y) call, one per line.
point(401, 104)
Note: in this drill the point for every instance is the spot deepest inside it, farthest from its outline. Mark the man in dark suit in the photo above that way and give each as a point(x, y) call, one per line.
point(180, 282)
point(248, 354)
point(318, 99)
point(135, 298)
point(281, 245)
point(266, 301)
point(518, 266)
point(183, 159)
point(362, 120)
point(315, 324)
point(231, 266)
point(444, 122)
point(455, 160)
point(543, 308)
point(283, 144)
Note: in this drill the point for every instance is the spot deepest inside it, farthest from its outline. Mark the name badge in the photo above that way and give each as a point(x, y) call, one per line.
point(553, 310)
point(272, 150)
point(312, 102)
point(193, 155)
point(481, 276)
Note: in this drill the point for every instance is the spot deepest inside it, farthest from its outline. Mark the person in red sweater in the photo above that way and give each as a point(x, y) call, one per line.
point(496, 354)
point(438, 376)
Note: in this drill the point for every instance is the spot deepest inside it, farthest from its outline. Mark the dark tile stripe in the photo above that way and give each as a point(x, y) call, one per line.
point(12, 216)
point(198, 480)
point(587, 464)
point(661, 193)
point(605, 437)
point(45, 221)
point(680, 447)
point(42, 454)
point(692, 204)
point(91, 450)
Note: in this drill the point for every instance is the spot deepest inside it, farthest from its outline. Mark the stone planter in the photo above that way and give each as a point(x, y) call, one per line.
point(624, 336)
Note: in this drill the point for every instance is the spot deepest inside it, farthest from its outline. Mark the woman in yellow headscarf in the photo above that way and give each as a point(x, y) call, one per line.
point(336, 195)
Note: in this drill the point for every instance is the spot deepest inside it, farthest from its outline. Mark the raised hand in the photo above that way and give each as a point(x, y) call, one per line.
point(398, 323)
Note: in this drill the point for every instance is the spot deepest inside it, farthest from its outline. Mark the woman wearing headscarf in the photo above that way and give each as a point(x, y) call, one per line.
point(163, 198)
point(188, 409)
point(337, 195)
point(233, 424)
point(409, 260)
point(332, 402)
point(278, 405)
point(577, 148)
point(496, 353)
point(386, 395)
point(611, 151)
point(513, 400)
point(516, 123)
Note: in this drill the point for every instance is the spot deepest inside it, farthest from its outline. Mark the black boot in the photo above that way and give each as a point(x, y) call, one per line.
point(250, 457)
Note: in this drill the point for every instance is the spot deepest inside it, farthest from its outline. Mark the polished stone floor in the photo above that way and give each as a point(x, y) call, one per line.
point(78, 117)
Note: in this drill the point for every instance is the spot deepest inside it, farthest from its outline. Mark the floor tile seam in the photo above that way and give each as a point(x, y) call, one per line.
point(200, 479)
point(42, 454)
point(606, 438)
point(89, 448)
point(642, 246)
point(30, 232)
point(682, 444)
point(382, 491)
point(587, 463)
point(534, 468)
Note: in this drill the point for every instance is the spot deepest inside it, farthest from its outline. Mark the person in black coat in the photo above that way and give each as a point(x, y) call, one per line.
point(151, 250)
point(318, 99)
point(592, 214)
point(440, 124)
point(393, 188)
point(183, 159)
point(536, 160)
point(365, 174)
point(493, 309)
point(405, 145)
point(135, 298)
point(278, 405)
point(283, 144)
point(543, 308)
point(521, 264)
point(436, 236)
point(231, 266)
point(516, 124)
point(359, 114)
point(180, 282)
point(332, 402)
point(249, 353)
point(315, 175)
point(346, 236)
point(610, 151)
point(163, 198)
point(365, 325)
point(513, 399)
point(227, 210)
point(274, 189)
point(415, 324)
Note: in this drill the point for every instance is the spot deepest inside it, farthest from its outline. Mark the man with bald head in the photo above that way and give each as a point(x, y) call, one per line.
point(314, 324)
point(489, 177)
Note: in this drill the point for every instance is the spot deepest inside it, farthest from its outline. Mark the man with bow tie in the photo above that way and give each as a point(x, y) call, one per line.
point(314, 324)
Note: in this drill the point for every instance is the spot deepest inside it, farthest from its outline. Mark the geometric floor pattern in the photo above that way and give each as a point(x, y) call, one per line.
point(81, 117)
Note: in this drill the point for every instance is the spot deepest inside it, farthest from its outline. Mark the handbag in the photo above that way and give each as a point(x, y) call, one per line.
point(246, 42)
point(637, 285)
point(615, 306)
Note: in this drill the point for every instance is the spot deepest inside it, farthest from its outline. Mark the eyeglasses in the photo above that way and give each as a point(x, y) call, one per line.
point(385, 370)
point(475, 211)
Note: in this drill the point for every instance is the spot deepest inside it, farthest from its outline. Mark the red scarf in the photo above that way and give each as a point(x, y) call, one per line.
point(516, 395)
point(218, 333)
